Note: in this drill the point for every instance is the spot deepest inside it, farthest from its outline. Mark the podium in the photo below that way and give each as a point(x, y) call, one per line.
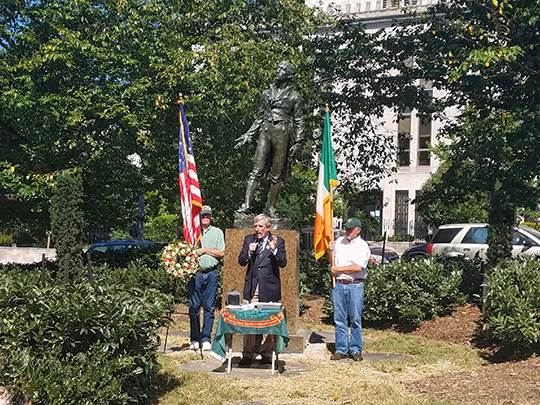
point(252, 322)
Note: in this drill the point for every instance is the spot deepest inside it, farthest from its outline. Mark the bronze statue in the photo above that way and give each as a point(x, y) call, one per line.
point(280, 108)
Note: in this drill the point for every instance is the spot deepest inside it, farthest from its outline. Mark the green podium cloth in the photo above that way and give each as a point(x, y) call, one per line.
point(250, 322)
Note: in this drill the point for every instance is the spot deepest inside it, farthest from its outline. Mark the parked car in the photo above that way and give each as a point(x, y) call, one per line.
point(416, 252)
point(120, 245)
point(377, 255)
point(470, 240)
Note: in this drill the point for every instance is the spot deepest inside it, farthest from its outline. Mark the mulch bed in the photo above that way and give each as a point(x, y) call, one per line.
point(510, 382)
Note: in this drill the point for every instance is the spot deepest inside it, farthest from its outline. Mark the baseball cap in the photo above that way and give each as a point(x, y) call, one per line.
point(353, 222)
point(206, 210)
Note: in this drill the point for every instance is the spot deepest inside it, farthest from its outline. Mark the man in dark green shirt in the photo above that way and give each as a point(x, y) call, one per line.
point(202, 288)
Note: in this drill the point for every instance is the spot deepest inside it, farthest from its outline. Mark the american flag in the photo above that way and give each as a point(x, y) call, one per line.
point(189, 182)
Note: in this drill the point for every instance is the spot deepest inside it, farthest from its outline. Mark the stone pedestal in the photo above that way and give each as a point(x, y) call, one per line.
point(234, 274)
point(245, 221)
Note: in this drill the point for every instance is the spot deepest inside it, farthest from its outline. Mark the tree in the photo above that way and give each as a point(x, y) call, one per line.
point(441, 203)
point(484, 55)
point(85, 84)
point(67, 221)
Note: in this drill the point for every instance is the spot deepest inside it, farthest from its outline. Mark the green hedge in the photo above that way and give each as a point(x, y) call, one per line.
point(471, 274)
point(74, 344)
point(512, 305)
point(407, 292)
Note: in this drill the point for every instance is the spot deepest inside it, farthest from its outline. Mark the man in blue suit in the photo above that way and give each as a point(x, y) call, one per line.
point(264, 254)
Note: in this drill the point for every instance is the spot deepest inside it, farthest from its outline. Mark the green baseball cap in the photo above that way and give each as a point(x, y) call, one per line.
point(352, 223)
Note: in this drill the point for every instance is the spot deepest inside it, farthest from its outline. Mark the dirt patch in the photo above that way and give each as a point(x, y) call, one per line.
point(494, 384)
point(459, 327)
point(313, 312)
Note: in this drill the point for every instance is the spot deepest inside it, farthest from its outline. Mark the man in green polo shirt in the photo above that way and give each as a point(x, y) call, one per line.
point(202, 288)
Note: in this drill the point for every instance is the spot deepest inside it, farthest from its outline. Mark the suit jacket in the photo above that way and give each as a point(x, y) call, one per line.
point(263, 268)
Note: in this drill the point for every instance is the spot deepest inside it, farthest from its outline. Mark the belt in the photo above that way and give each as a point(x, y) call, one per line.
point(208, 270)
point(355, 281)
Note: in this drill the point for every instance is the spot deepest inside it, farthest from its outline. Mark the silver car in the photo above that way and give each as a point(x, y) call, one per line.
point(470, 240)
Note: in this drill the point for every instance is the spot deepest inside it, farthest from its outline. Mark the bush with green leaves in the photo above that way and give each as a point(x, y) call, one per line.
point(471, 274)
point(162, 228)
point(314, 275)
point(406, 292)
point(137, 274)
point(512, 305)
point(74, 344)
point(67, 221)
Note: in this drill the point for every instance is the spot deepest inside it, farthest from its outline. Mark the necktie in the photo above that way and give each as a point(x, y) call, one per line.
point(260, 245)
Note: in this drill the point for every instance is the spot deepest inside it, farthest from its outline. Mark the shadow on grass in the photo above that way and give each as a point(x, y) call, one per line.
point(165, 382)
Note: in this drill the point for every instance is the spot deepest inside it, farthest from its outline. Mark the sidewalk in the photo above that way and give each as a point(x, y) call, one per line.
point(317, 349)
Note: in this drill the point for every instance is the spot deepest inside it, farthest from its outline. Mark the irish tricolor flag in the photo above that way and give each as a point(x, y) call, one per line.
point(327, 181)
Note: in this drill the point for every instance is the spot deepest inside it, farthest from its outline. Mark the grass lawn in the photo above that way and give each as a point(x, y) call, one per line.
point(327, 382)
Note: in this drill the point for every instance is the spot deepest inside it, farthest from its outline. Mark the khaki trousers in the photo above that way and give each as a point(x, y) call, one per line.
point(262, 344)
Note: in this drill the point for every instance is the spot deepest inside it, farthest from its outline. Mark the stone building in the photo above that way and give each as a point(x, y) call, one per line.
point(415, 163)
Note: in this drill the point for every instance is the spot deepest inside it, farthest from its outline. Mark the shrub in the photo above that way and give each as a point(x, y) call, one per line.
point(73, 344)
point(314, 275)
point(512, 304)
point(137, 274)
point(534, 225)
point(410, 292)
point(67, 221)
point(401, 238)
point(315, 278)
point(471, 274)
point(162, 228)
point(6, 239)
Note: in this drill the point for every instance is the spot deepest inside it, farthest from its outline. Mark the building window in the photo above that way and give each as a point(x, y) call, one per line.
point(424, 140)
point(385, 3)
point(358, 7)
point(368, 5)
point(347, 8)
point(378, 5)
point(404, 139)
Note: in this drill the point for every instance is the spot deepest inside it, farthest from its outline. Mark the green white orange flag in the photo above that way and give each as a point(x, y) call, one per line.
point(327, 181)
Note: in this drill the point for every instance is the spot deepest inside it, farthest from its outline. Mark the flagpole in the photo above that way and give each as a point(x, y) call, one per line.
point(332, 210)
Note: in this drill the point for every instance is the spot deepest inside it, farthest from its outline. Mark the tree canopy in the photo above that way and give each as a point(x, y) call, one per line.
point(484, 54)
point(86, 84)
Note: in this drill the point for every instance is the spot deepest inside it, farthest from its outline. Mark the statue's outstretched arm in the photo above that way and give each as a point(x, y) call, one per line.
point(255, 127)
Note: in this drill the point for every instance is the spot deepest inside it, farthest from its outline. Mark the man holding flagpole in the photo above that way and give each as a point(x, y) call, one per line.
point(348, 257)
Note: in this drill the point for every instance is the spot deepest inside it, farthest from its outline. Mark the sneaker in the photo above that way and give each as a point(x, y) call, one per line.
point(194, 346)
point(357, 356)
point(338, 356)
point(206, 346)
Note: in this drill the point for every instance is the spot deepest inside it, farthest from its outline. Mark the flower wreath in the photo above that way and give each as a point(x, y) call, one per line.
point(180, 259)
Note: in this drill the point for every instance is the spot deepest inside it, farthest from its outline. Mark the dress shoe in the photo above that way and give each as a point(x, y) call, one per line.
point(266, 360)
point(338, 356)
point(194, 346)
point(245, 362)
point(357, 356)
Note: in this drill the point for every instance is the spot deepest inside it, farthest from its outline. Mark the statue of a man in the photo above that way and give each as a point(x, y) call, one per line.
point(280, 110)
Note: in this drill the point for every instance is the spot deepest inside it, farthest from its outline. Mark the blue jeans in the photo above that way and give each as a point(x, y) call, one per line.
point(348, 300)
point(202, 291)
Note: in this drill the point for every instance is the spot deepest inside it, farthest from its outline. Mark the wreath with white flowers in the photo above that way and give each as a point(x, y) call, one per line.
point(180, 259)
